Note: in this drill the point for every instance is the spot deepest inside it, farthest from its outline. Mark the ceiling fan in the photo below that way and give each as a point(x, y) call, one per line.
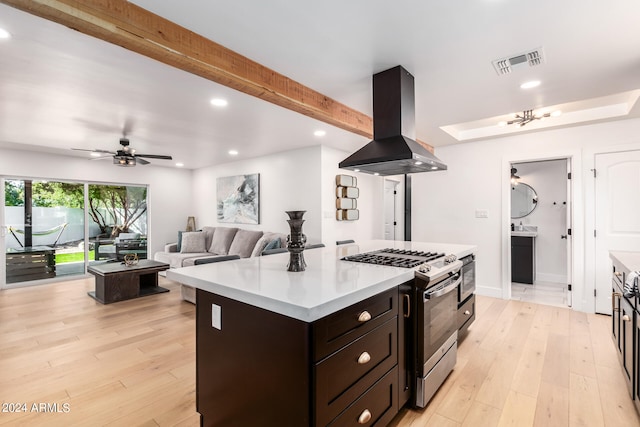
point(126, 156)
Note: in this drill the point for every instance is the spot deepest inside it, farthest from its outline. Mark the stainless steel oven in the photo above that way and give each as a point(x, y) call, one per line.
point(436, 331)
point(430, 316)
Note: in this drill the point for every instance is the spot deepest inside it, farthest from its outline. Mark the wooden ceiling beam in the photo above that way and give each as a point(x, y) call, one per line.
point(136, 29)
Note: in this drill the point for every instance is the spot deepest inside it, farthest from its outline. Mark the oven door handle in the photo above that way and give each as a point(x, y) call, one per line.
point(445, 290)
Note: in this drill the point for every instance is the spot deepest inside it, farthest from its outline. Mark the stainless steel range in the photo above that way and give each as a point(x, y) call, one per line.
point(431, 326)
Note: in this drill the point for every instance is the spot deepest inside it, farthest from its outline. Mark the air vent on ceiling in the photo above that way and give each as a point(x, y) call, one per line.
point(507, 65)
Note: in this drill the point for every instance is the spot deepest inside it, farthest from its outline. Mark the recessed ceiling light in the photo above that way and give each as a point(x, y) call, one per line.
point(502, 123)
point(4, 34)
point(418, 163)
point(219, 102)
point(94, 154)
point(433, 168)
point(179, 165)
point(233, 152)
point(356, 170)
point(530, 85)
point(320, 133)
point(376, 174)
point(556, 113)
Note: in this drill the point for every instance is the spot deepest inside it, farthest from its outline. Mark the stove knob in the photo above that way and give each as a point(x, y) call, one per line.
point(424, 268)
point(450, 258)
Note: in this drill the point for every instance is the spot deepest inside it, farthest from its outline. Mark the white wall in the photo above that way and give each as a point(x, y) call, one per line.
point(288, 181)
point(169, 195)
point(548, 179)
point(302, 179)
point(370, 202)
point(444, 203)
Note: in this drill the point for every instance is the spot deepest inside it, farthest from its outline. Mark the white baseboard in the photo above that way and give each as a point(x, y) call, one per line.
point(489, 292)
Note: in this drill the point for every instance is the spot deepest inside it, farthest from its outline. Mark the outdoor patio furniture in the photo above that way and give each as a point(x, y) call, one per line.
point(117, 248)
point(31, 263)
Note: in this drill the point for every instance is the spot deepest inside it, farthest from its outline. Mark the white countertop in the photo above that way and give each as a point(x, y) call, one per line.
point(327, 285)
point(631, 260)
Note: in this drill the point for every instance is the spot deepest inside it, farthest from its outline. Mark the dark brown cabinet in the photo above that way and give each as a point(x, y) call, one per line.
point(257, 367)
point(523, 259)
point(623, 328)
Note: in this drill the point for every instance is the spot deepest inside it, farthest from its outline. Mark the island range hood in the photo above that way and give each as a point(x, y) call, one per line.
point(393, 150)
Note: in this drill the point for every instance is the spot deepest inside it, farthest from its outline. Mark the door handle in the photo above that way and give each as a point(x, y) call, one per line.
point(407, 299)
point(564, 236)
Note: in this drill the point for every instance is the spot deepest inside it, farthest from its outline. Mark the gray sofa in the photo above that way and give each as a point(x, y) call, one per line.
point(213, 244)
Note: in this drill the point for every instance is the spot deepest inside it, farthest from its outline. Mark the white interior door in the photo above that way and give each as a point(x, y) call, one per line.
point(390, 209)
point(617, 215)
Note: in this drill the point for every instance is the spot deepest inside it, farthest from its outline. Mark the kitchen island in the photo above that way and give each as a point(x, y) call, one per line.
point(319, 347)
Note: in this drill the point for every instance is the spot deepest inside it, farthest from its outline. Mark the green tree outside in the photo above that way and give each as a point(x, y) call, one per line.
point(115, 208)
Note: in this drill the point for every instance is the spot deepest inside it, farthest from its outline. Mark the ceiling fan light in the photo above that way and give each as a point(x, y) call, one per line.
point(124, 161)
point(94, 154)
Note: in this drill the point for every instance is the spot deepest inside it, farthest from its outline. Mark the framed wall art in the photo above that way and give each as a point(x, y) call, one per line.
point(238, 199)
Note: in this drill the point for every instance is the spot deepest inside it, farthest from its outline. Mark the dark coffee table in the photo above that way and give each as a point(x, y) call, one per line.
point(117, 282)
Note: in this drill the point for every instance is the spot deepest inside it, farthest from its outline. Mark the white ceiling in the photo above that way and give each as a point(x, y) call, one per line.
point(60, 89)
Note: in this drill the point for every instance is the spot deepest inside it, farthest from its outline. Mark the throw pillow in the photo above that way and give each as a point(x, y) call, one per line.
point(243, 243)
point(193, 242)
point(274, 244)
point(260, 244)
point(222, 238)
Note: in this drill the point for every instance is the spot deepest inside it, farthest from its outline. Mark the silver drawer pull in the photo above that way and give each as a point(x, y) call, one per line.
point(364, 417)
point(365, 316)
point(364, 358)
point(626, 318)
point(467, 312)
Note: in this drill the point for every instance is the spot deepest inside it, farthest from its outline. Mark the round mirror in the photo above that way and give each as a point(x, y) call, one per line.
point(523, 200)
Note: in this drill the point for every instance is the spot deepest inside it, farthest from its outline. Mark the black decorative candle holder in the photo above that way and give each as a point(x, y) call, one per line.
point(296, 241)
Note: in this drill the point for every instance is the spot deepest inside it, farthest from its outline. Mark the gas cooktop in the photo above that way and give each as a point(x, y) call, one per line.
point(395, 257)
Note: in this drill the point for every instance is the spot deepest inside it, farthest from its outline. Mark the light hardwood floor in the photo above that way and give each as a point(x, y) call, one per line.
point(133, 363)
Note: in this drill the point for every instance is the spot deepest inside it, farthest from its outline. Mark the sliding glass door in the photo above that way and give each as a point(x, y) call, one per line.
point(44, 234)
point(118, 221)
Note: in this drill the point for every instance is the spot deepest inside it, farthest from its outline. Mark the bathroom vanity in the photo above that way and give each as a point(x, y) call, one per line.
point(523, 256)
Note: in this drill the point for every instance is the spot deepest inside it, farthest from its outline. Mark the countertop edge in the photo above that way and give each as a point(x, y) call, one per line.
point(306, 314)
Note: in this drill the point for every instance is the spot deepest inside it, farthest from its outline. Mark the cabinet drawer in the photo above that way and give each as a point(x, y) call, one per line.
point(379, 405)
point(344, 376)
point(618, 275)
point(337, 330)
point(467, 313)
